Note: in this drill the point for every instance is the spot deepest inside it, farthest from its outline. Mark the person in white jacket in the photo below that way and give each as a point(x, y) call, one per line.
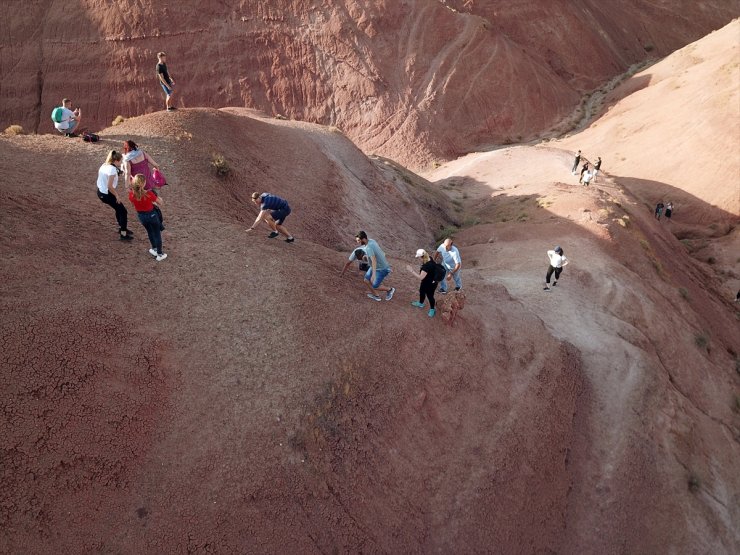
point(557, 262)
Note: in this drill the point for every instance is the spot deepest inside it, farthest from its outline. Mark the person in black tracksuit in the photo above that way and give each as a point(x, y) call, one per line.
point(428, 274)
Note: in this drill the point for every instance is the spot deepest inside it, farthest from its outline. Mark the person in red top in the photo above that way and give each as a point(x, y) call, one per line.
point(146, 203)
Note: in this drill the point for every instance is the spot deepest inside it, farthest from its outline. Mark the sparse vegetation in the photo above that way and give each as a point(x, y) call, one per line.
point(644, 244)
point(474, 262)
point(119, 120)
point(522, 217)
point(736, 405)
point(220, 165)
point(649, 47)
point(683, 292)
point(14, 130)
point(711, 260)
point(471, 221)
point(446, 232)
point(694, 483)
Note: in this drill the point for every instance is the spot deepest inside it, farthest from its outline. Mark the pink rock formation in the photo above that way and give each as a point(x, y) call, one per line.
point(415, 81)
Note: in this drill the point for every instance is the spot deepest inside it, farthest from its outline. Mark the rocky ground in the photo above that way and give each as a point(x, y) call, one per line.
point(241, 396)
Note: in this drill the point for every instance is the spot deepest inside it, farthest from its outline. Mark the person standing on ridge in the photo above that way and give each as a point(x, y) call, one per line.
point(659, 210)
point(557, 262)
point(379, 268)
point(597, 167)
point(584, 169)
point(165, 81)
point(452, 263)
point(576, 162)
point(273, 211)
point(669, 210)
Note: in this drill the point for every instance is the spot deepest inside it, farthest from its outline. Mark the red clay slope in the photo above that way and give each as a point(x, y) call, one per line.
point(240, 396)
point(414, 81)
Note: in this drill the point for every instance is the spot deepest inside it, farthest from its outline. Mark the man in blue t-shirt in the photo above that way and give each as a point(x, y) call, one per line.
point(273, 211)
point(379, 268)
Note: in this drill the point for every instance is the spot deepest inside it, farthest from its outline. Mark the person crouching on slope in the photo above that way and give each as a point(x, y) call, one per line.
point(379, 268)
point(429, 274)
point(273, 211)
point(557, 262)
point(145, 203)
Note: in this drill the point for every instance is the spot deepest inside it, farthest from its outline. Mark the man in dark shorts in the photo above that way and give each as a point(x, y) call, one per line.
point(273, 211)
point(165, 81)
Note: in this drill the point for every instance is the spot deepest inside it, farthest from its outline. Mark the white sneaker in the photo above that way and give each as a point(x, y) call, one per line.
point(161, 257)
point(153, 252)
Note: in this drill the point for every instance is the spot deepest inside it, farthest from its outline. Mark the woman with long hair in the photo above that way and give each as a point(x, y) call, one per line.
point(107, 185)
point(429, 275)
point(138, 162)
point(145, 203)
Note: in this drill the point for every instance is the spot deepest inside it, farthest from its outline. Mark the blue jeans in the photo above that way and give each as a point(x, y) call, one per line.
point(380, 275)
point(153, 226)
point(455, 276)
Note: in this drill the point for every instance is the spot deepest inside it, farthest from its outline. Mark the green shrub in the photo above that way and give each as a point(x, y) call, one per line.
point(118, 120)
point(683, 292)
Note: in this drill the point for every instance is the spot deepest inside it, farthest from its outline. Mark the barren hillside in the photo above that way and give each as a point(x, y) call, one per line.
point(415, 81)
point(240, 396)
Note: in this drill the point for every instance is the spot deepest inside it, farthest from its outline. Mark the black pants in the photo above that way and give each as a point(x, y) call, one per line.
point(550, 270)
point(121, 213)
point(150, 221)
point(426, 290)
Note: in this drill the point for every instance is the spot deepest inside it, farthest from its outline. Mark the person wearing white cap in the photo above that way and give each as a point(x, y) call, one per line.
point(430, 275)
point(557, 261)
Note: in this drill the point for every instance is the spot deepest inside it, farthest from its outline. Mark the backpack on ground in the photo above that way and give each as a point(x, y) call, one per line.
point(439, 272)
point(57, 114)
point(90, 137)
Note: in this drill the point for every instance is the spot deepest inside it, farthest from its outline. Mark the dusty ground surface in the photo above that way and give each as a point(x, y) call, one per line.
point(241, 396)
point(416, 81)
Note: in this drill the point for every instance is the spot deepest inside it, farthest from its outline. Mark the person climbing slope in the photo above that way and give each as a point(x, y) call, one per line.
point(107, 185)
point(557, 262)
point(430, 275)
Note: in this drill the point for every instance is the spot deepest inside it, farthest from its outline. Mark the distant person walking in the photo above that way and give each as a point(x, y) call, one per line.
point(576, 162)
point(452, 263)
point(66, 120)
point(138, 162)
point(145, 203)
point(597, 168)
point(379, 268)
point(659, 210)
point(557, 262)
point(166, 81)
point(584, 169)
point(669, 210)
point(107, 184)
point(430, 274)
point(273, 211)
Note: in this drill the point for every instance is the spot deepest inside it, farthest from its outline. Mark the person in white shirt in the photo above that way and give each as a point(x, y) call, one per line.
point(70, 119)
point(557, 262)
point(452, 262)
point(586, 178)
point(107, 184)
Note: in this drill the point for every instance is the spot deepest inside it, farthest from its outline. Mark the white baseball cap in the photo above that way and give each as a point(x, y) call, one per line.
point(420, 253)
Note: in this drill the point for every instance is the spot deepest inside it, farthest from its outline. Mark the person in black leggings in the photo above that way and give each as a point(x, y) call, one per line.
point(107, 184)
point(428, 276)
